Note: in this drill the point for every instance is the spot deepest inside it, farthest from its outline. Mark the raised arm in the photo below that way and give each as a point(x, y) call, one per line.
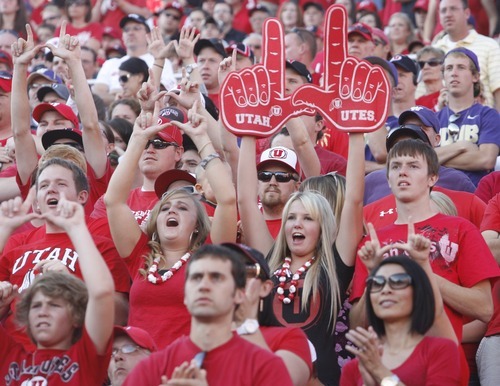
point(351, 221)
point(125, 230)
point(254, 226)
point(224, 222)
point(100, 313)
point(93, 141)
point(23, 52)
point(308, 159)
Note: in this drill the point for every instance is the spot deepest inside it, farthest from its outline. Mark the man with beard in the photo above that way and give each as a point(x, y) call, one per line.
point(278, 174)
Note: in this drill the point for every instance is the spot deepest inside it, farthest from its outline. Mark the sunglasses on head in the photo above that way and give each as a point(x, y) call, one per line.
point(431, 62)
point(266, 176)
point(253, 270)
point(127, 349)
point(159, 144)
point(397, 281)
point(74, 145)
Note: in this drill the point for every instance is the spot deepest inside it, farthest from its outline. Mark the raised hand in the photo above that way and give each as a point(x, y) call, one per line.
point(68, 215)
point(187, 40)
point(148, 95)
point(189, 92)
point(7, 293)
point(156, 44)
point(15, 212)
point(368, 350)
point(68, 47)
point(371, 253)
point(197, 124)
point(24, 51)
point(355, 94)
point(417, 245)
point(253, 100)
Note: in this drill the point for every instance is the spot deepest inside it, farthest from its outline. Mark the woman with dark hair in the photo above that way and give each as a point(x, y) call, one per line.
point(133, 73)
point(78, 13)
point(13, 16)
point(410, 340)
point(128, 108)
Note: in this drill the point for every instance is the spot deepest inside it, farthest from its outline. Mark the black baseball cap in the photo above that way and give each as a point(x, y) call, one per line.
point(300, 69)
point(136, 19)
point(214, 43)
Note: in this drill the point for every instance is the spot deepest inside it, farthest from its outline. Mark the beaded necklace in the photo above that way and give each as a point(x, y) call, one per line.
point(155, 278)
point(283, 273)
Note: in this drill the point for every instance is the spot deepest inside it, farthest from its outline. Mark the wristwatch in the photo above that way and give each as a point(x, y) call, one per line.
point(392, 380)
point(248, 327)
point(190, 67)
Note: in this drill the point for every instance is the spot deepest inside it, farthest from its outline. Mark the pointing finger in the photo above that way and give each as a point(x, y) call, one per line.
point(273, 53)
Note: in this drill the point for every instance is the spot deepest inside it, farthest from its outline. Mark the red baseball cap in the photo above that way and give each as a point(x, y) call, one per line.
point(167, 178)
point(171, 133)
point(139, 336)
point(6, 81)
point(62, 109)
point(361, 29)
point(6, 58)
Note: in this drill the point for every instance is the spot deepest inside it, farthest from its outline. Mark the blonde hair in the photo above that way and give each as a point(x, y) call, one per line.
point(198, 237)
point(65, 152)
point(319, 209)
point(443, 203)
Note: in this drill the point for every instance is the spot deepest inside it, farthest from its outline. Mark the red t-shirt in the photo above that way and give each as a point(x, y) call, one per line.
point(23, 251)
point(383, 212)
point(157, 308)
point(429, 100)
point(488, 186)
point(91, 30)
point(80, 365)
point(236, 363)
point(434, 361)
point(336, 141)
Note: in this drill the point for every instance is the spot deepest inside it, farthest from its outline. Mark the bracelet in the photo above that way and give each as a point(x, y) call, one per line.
point(205, 145)
point(157, 65)
point(207, 159)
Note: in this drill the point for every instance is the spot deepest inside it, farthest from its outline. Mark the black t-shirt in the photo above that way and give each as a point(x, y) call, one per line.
point(315, 320)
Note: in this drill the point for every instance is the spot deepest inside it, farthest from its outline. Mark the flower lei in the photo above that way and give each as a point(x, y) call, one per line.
point(283, 273)
point(155, 278)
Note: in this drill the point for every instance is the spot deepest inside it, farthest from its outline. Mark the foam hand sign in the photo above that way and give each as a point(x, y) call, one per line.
point(253, 100)
point(355, 94)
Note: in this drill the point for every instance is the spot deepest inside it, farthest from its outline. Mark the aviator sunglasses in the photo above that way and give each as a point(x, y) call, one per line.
point(430, 62)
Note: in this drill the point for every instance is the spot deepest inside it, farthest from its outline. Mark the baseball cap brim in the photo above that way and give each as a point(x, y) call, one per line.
point(169, 177)
point(50, 137)
point(407, 131)
point(139, 336)
point(216, 44)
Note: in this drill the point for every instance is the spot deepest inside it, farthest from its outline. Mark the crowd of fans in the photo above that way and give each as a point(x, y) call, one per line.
point(144, 243)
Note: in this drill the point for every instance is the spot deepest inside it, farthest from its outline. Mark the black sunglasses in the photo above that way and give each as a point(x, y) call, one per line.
point(266, 176)
point(159, 144)
point(124, 78)
point(453, 128)
point(74, 145)
point(397, 281)
point(431, 62)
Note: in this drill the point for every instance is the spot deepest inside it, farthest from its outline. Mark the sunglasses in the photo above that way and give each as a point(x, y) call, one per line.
point(74, 145)
point(253, 270)
point(453, 128)
point(159, 144)
point(431, 62)
point(124, 78)
point(172, 16)
point(280, 176)
point(397, 281)
point(127, 349)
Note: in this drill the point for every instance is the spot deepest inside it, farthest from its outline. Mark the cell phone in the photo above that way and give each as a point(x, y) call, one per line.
point(199, 358)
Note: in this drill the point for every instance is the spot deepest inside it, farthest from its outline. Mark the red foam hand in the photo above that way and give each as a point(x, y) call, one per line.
point(355, 94)
point(253, 100)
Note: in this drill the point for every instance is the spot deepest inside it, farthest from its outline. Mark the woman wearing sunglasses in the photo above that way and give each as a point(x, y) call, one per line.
point(430, 59)
point(410, 340)
point(133, 73)
point(177, 225)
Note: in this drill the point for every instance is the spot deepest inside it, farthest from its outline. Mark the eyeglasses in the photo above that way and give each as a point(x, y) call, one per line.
point(453, 128)
point(431, 62)
point(159, 144)
point(127, 349)
point(74, 145)
point(397, 281)
point(379, 42)
point(266, 176)
point(172, 16)
point(124, 78)
point(253, 270)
